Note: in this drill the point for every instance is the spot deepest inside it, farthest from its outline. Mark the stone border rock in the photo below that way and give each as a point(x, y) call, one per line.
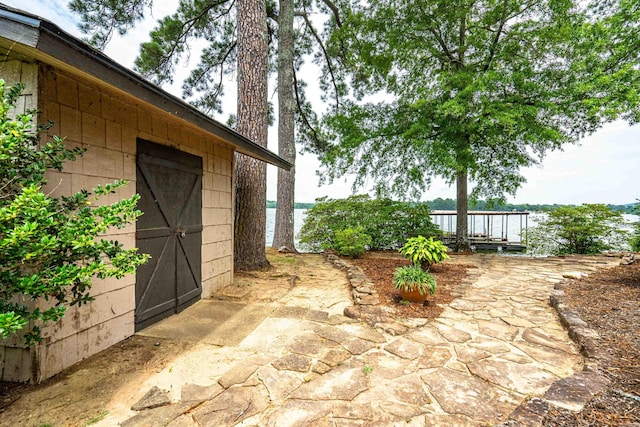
point(578, 389)
point(362, 289)
point(366, 300)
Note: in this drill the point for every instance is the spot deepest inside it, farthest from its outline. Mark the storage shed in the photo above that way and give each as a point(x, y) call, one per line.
point(179, 160)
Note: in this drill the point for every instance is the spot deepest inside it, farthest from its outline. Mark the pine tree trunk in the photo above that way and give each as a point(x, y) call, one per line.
point(250, 175)
point(284, 228)
point(462, 200)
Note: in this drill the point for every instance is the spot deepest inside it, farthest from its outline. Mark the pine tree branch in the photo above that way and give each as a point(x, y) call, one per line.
point(336, 12)
point(327, 58)
point(316, 138)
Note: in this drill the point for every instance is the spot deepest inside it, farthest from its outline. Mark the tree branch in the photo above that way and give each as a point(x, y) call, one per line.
point(205, 73)
point(305, 120)
point(327, 58)
point(443, 45)
point(187, 26)
point(336, 12)
point(496, 37)
point(461, 41)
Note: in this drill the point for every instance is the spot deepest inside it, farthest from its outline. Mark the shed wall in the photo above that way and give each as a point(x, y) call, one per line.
point(107, 122)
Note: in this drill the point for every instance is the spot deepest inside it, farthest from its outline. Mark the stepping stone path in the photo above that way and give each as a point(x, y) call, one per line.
point(497, 354)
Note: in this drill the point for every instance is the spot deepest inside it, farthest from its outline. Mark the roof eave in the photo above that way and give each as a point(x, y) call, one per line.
point(54, 43)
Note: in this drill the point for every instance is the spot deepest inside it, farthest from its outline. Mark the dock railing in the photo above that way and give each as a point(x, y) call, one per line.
point(498, 230)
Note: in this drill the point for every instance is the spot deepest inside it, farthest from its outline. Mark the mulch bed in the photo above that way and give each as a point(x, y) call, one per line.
point(609, 301)
point(380, 271)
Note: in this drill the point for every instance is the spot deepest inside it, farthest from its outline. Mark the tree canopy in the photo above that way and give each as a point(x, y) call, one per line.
point(474, 90)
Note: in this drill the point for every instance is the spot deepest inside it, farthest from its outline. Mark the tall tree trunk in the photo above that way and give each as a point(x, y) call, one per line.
point(284, 230)
point(251, 174)
point(462, 201)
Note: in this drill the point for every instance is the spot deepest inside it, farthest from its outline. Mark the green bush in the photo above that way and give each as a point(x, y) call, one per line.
point(413, 277)
point(585, 229)
point(389, 223)
point(635, 239)
point(352, 242)
point(50, 248)
point(424, 252)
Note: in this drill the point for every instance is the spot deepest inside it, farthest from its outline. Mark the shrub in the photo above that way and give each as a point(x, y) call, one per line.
point(412, 277)
point(424, 252)
point(352, 242)
point(389, 223)
point(635, 239)
point(585, 229)
point(50, 248)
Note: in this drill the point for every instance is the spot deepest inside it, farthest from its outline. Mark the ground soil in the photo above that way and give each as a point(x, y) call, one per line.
point(89, 384)
point(609, 301)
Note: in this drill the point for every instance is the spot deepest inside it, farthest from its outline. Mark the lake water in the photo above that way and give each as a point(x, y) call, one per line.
point(512, 228)
point(298, 220)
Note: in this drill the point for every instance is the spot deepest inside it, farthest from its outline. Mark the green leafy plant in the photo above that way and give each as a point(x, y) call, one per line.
point(424, 252)
point(585, 229)
point(389, 223)
point(352, 242)
point(412, 277)
point(50, 248)
point(635, 239)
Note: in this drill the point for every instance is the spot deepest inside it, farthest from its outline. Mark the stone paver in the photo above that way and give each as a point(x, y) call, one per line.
point(339, 384)
point(194, 392)
point(498, 351)
point(152, 399)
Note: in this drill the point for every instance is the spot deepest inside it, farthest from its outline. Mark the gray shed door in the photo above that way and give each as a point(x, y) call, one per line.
point(169, 183)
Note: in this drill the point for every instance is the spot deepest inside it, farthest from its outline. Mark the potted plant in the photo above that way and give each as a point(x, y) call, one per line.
point(413, 283)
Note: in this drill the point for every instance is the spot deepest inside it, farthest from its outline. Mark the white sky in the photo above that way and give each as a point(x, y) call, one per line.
point(604, 168)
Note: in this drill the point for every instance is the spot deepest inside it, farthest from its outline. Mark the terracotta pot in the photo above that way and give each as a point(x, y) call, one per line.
point(413, 296)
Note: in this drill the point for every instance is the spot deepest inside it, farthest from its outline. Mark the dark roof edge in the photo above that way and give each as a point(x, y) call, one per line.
point(58, 44)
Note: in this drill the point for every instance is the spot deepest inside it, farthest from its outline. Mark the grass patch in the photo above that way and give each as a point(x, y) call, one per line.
point(97, 418)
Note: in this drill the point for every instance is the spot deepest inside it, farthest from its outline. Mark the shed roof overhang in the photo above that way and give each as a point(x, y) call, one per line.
point(25, 34)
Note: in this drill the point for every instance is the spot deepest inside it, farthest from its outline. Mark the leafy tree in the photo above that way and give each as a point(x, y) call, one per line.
point(389, 223)
point(473, 91)
point(585, 229)
point(50, 248)
point(215, 23)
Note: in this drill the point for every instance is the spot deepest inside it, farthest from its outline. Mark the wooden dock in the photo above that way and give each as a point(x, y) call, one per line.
point(488, 230)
